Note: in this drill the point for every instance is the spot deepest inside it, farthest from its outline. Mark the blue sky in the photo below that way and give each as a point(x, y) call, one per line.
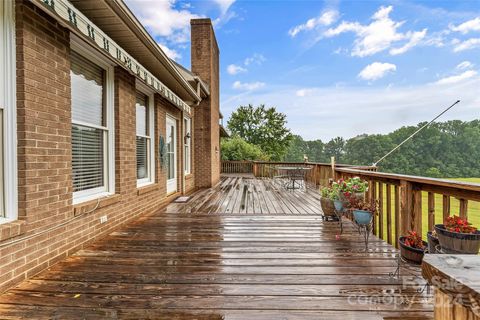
point(336, 68)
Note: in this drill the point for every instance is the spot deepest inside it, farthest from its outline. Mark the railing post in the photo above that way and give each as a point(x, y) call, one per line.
point(463, 208)
point(410, 207)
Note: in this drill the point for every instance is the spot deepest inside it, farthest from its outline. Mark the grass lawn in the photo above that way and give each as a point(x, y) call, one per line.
point(473, 209)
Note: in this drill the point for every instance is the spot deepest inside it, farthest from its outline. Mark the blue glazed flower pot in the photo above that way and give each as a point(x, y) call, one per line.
point(362, 217)
point(338, 205)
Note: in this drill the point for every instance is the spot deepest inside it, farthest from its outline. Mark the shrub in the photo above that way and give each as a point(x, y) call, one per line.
point(235, 148)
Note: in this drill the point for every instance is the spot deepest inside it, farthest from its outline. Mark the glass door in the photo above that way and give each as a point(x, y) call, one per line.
point(171, 145)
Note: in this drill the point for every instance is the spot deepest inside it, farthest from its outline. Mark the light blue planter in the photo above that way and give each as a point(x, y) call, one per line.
point(338, 205)
point(362, 217)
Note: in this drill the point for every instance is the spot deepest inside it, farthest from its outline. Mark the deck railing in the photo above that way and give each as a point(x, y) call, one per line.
point(405, 202)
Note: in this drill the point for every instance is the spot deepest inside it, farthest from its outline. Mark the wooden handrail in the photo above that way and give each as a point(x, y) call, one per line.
point(412, 195)
point(407, 202)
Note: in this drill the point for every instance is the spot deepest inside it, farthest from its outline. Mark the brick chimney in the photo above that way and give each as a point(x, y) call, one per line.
point(205, 64)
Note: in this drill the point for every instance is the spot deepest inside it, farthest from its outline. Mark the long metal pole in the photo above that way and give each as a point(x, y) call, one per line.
point(413, 134)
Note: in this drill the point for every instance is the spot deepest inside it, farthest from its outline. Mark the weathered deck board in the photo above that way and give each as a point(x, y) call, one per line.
point(280, 261)
point(249, 195)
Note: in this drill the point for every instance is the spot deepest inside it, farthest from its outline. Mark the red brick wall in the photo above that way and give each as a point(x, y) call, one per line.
point(205, 60)
point(44, 156)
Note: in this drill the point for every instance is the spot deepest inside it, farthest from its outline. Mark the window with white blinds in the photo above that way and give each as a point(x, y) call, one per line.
point(8, 116)
point(143, 139)
point(187, 126)
point(90, 132)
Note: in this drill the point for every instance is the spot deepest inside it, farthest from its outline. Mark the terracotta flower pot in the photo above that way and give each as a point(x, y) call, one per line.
point(413, 255)
point(456, 242)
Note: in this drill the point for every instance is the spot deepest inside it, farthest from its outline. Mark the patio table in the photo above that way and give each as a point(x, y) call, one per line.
point(294, 174)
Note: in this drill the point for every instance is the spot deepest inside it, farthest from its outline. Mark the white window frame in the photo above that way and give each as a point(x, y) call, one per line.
point(141, 87)
point(8, 160)
point(187, 144)
point(91, 54)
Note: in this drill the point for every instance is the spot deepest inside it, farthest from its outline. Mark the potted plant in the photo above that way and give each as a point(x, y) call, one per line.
point(363, 212)
point(412, 247)
point(351, 187)
point(457, 235)
point(328, 196)
point(432, 241)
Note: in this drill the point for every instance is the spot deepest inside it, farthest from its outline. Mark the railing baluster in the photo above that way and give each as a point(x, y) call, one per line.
point(389, 213)
point(416, 223)
point(397, 214)
point(380, 210)
point(431, 211)
point(446, 207)
point(374, 195)
point(463, 208)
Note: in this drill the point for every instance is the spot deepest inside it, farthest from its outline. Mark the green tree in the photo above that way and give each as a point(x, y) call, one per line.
point(235, 148)
point(264, 127)
point(335, 148)
point(445, 149)
point(296, 150)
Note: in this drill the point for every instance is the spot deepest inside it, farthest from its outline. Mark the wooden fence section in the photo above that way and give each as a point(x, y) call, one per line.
point(237, 167)
point(319, 175)
point(412, 202)
point(405, 202)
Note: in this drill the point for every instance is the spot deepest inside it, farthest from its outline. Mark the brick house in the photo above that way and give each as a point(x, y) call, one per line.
point(98, 126)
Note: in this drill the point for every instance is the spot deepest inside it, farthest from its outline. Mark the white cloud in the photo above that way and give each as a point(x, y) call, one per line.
point(379, 35)
point(467, 26)
point(161, 18)
point(255, 58)
point(415, 39)
point(458, 78)
point(248, 86)
point(347, 111)
point(234, 69)
point(224, 5)
point(377, 70)
point(465, 65)
point(303, 92)
point(225, 14)
point(325, 19)
point(171, 53)
point(466, 45)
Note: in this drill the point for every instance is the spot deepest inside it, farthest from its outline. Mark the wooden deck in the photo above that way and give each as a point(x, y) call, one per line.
point(245, 194)
point(198, 265)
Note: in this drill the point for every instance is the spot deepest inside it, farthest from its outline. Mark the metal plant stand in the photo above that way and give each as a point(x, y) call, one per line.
point(339, 215)
point(365, 230)
point(396, 274)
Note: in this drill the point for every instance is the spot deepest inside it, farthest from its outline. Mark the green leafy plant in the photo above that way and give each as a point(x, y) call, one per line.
point(236, 148)
point(459, 225)
point(351, 185)
point(355, 203)
point(329, 193)
point(414, 240)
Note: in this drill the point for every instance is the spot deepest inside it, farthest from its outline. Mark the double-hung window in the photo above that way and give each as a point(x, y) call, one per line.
point(8, 145)
point(92, 127)
point(144, 134)
point(187, 127)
